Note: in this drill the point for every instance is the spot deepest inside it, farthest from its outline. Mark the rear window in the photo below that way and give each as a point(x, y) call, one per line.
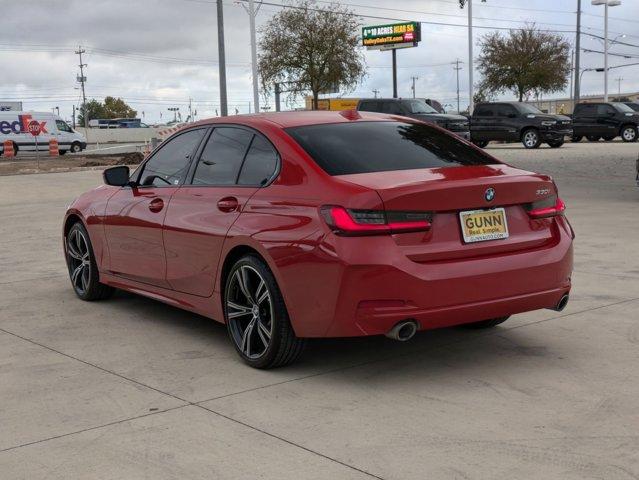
point(363, 147)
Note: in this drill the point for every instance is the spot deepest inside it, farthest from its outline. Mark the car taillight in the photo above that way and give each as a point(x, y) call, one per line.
point(548, 207)
point(374, 222)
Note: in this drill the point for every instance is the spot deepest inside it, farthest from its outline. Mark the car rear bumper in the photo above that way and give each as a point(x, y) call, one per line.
point(374, 294)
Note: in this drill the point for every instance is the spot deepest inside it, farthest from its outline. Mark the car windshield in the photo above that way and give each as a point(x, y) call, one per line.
point(525, 108)
point(364, 147)
point(418, 106)
point(622, 107)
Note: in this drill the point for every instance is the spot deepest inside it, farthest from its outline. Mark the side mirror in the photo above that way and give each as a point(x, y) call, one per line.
point(117, 176)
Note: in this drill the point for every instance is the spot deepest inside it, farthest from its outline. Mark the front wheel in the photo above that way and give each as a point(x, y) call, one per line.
point(481, 143)
point(556, 143)
point(493, 322)
point(629, 133)
point(83, 269)
point(530, 138)
point(576, 138)
point(76, 147)
point(256, 317)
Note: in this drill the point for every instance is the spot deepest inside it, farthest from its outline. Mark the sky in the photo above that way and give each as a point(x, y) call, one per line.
point(157, 54)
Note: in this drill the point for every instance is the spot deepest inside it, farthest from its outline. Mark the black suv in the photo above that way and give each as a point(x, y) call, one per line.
point(633, 105)
point(604, 120)
point(516, 121)
point(418, 109)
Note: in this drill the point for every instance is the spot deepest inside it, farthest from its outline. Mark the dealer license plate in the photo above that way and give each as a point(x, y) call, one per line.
point(482, 225)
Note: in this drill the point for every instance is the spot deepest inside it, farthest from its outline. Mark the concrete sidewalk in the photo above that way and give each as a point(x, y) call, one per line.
point(130, 388)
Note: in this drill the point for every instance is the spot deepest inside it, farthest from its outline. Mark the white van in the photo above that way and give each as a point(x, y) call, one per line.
point(17, 127)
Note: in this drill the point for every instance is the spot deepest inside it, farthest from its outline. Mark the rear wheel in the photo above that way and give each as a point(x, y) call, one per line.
point(83, 270)
point(481, 143)
point(556, 143)
point(629, 133)
point(493, 322)
point(593, 138)
point(576, 138)
point(256, 317)
point(530, 138)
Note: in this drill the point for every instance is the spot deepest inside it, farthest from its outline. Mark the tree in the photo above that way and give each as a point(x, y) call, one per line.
point(524, 61)
point(311, 50)
point(111, 108)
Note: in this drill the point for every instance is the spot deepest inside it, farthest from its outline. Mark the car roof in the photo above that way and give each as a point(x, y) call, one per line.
point(297, 119)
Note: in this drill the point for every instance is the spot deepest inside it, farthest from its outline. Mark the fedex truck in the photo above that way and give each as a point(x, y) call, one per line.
point(18, 127)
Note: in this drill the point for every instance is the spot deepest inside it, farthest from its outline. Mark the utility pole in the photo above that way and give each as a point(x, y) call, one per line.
point(457, 68)
point(190, 110)
point(572, 73)
point(413, 87)
point(221, 57)
point(252, 13)
point(577, 56)
point(376, 92)
point(73, 117)
point(82, 79)
point(619, 79)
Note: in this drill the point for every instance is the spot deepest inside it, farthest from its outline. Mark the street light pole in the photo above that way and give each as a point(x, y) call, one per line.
point(606, 4)
point(470, 57)
point(221, 58)
point(256, 92)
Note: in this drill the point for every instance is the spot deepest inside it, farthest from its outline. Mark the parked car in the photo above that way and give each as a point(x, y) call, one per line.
point(632, 105)
point(293, 225)
point(604, 120)
point(517, 122)
point(418, 109)
point(15, 127)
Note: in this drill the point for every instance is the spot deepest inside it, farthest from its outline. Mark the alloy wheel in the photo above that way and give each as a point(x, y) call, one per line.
point(629, 134)
point(249, 311)
point(79, 260)
point(530, 139)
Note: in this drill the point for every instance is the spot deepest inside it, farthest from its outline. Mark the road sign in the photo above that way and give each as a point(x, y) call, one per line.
point(34, 128)
point(391, 36)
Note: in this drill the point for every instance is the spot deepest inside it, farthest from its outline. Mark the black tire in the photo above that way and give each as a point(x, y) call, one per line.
point(62, 152)
point(556, 143)
point(75, 147)
point(493, 322)
point(609, 138)
point(629, 133)
point(252, 300)
point(481, 143)
point(83, 270)
point(576, 138)
point(530, 138)
point(593, 138)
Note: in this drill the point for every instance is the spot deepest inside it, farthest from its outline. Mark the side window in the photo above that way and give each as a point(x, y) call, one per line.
point(260, 163)
point(484, 111)
point(604, 109)
point(170, 163)
point(394, 108)
point(369, 107)
point(62, 126)
point(222, 157)
point(587, 109)
point(505, 110)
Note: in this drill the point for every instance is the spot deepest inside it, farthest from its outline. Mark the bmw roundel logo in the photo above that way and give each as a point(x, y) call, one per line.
point(489, 194)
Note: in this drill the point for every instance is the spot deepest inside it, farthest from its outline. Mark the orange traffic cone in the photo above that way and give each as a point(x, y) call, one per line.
point(8, 149)
point(53, 148)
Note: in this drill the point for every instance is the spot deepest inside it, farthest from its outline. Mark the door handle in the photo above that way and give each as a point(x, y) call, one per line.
point(228, 204)
point(156, 205)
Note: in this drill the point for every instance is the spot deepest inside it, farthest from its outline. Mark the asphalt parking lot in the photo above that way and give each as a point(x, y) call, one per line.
point(130, 388)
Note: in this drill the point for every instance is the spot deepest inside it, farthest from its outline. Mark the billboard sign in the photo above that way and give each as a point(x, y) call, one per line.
point(395, 35)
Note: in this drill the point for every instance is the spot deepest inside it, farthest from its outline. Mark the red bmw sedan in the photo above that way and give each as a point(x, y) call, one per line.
point(287, 226)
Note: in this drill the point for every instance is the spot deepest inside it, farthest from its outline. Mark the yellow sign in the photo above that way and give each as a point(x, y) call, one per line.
point(481, 225)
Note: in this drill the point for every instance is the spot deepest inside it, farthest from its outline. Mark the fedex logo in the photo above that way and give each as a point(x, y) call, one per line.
point(24, 124)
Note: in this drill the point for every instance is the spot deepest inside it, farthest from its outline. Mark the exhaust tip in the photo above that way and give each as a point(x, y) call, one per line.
point(562, 303)
point(403, 331)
